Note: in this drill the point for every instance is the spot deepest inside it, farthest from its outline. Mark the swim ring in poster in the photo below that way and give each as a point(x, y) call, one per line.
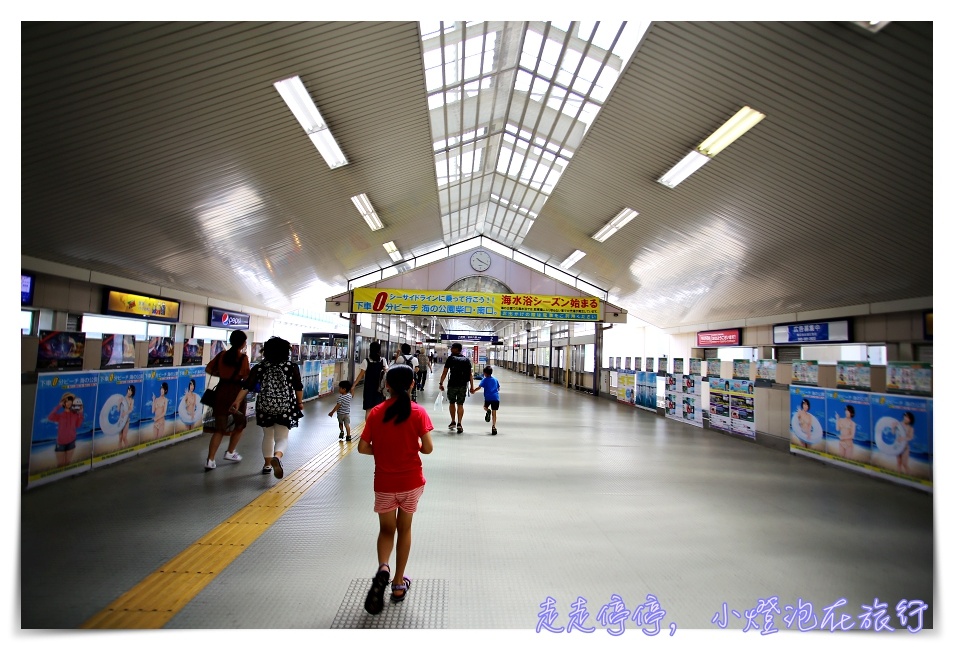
point(814, 436)
point(113, 417)
point(889, 436)
point(184, 412)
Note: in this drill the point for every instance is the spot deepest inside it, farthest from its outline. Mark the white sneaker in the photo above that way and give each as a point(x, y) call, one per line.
point(233, 456)
point(209, 464)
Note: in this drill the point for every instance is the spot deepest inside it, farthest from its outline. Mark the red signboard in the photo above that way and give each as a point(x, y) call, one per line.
point(716, 338)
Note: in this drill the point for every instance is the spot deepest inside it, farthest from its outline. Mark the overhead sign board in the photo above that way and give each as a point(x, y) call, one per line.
point(234, 320)
point(835, 331)
point(468, 304)
point(485, 338)
point(717, 338)
point(134, 305)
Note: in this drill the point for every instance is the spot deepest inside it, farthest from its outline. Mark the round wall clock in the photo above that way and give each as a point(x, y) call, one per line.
point(480, 261)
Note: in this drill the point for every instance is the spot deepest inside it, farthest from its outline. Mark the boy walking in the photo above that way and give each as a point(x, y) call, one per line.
point(491, 397)
point(343, 409)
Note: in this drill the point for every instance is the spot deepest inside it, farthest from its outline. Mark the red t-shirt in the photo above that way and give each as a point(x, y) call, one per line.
point(396, 448)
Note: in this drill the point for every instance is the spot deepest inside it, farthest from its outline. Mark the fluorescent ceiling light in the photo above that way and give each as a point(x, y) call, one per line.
point(574, 257)
point(725, 135)
point(392, 251)
point(693, 161)
point(364, 207)
point(624, 217)
point(729, 132)
point(299, 101)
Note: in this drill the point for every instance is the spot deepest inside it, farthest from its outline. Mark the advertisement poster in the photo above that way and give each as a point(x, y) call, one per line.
point(909, 378)
point(742, 412)
point(159, 404)
point(853, 375)
point(765, 369)
point(848, 425)
point(192, 350)
point(804, 373)
point(626, 386)
point(310, 371)
point(161, 351)
point(713, 368)
point(645, 390)
point(677, 365)
point(649, 364)
point(637, 364)
point(695, 366)
point(255, 352)
point(60, 350)
point(741, 369)
point(891, 436)
point(662, 365)
point(295, 352)
point(118, 351)
point(190, 386)
point(732, 405)
point(807, 408)
point(62, 435)
point(628, 364)
point(683, 394)
point(719, 413)
point(217, 347)
point(117, 417)
point(903, 436)
point(326, 384)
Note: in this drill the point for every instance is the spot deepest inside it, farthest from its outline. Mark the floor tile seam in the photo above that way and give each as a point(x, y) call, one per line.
point(240, 531)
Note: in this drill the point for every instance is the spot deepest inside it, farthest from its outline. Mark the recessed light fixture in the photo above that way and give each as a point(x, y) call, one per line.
point(614, 224)
point(574, 257)
point(364, 207)
point(393, 251)
point(299, 101)
point(725, 135)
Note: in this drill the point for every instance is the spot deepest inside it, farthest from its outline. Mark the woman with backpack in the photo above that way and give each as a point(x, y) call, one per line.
point(372, 370)
point(278, 405)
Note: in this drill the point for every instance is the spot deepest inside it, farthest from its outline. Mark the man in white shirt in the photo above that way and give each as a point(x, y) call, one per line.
point(407, 359)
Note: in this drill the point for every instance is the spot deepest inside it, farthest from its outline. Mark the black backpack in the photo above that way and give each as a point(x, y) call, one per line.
point(374, 375)
point(275, 396)
point(459, 370)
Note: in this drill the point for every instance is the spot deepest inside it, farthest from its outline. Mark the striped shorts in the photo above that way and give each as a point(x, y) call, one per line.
point(406, 501)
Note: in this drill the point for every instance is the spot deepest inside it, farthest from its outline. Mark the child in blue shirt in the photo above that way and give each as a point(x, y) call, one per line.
point(491, 397)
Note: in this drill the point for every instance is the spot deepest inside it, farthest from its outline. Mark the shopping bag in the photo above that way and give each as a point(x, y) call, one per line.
point(439, 400)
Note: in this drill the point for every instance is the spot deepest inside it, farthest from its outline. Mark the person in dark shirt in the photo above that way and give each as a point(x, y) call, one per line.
point(461, 374)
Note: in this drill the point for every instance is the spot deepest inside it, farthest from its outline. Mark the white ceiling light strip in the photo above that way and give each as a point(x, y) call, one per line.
point(303, 108)
point(725, 135)
point(364, 207)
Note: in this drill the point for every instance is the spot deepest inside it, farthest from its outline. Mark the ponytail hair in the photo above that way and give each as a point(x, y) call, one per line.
point(399, 379)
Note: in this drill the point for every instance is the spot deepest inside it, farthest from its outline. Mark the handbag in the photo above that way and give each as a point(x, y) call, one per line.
point(208, 397)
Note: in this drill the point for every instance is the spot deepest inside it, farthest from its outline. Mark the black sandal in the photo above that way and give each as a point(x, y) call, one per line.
point(374, 602)
point(267, 469)
point(405, 586)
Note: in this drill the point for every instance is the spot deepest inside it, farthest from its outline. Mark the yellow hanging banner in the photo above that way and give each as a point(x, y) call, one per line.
point(469, 304)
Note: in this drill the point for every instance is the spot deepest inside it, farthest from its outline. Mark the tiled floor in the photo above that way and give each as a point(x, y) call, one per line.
point(576, 498)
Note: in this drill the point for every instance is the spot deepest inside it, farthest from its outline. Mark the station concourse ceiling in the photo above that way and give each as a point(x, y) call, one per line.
point(162, 153)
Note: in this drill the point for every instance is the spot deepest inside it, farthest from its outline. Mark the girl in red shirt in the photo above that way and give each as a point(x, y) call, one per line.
point(396, 433)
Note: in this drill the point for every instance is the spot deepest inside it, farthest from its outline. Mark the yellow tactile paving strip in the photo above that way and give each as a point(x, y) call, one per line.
point(161, 595)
